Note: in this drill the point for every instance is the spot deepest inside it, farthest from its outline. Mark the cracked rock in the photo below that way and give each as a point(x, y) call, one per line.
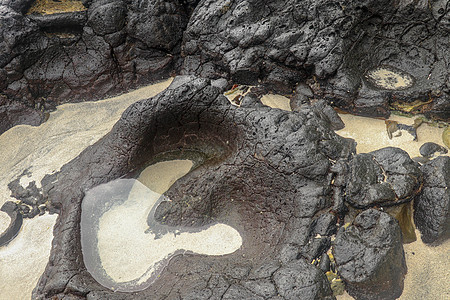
point(432, 206)
point(369, 256)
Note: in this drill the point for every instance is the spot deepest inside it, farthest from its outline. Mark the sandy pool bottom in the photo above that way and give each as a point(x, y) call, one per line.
point(44, 150)
point(118, 249)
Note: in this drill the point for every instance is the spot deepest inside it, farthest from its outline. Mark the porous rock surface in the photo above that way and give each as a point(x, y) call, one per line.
point(384, 177)
point(113, 45)
point(256, 176)
point(369, 256)
point(432, 206)
point(335, 46)
point(285, 42)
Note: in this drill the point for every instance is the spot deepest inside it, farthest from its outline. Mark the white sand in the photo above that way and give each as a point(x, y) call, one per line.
point(276, 101)
point(44, 149)
point(390, 79)
point(159, 177)
point(370, 134)
point(127, 253)
point(272, 100)
point(24, 259)
point(4, 221)
point(68, 131)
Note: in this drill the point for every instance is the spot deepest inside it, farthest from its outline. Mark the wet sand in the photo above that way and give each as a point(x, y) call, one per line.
point(24, 259)
point(370, 134)
point(428, 267)
point(44, 150)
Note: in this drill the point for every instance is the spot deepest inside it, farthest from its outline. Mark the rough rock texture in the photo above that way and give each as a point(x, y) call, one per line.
point(383, 177)
point(333, 44)
point(429, 149)
point(369, 256)
point(113, 45)
point(340, 48)
point(266, 172)
point(432, 206)
point(31, 200)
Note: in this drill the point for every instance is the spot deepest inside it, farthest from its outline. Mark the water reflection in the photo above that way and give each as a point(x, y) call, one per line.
point(124, 248)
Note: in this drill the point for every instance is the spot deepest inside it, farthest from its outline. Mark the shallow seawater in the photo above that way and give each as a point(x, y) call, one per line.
point(124, 248)
point(44, 150)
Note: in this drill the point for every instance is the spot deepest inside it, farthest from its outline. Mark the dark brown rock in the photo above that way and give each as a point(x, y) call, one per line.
point(369, 256)
point(432, 206)
point(270, 191)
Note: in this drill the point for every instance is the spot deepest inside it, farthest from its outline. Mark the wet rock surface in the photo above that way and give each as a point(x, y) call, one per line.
point(15, 224)
point(70, 56)
point(384, 177)
point(369, 256)
point(113, 45)
point(274, 193)
point(432, 206)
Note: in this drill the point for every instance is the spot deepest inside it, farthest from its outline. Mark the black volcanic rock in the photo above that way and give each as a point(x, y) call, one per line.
point(16, 220)
point(266, 172)
point(364, 57)
point(432, 206)
point(338, 47)
point(369, 256)
point(383, 177)
point(72, 56)
point(429, 149)
point(300, 280)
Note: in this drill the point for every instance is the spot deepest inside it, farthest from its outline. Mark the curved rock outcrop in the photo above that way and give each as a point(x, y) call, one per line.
point(265, 172)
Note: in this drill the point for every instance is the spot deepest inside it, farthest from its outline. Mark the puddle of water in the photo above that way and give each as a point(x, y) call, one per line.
point(43, 150)
point(120, 251)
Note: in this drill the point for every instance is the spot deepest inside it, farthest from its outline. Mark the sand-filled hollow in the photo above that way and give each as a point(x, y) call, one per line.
point(389, 78)
point(43, 150)
point(120, 249)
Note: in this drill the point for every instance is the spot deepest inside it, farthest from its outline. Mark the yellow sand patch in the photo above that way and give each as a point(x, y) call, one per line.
point(48, 7)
